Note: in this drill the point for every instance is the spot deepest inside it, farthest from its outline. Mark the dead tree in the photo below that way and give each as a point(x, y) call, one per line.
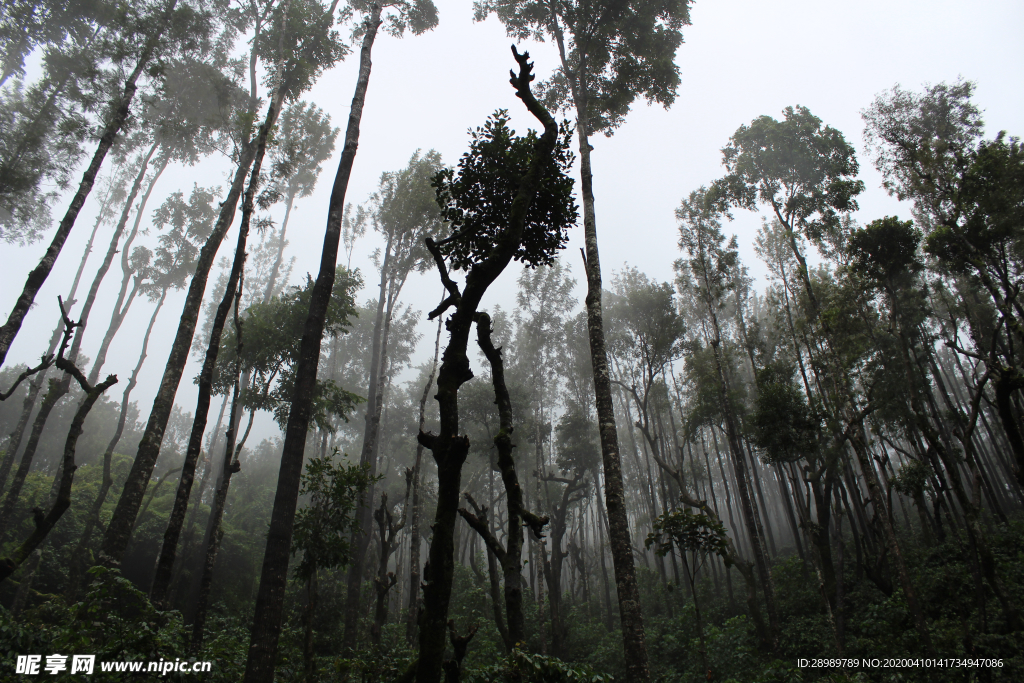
point(44, 523)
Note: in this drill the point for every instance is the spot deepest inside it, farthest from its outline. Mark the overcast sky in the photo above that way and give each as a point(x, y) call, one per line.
point(740, 59)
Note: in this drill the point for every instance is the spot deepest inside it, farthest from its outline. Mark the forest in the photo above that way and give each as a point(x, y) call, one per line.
point(792, 452)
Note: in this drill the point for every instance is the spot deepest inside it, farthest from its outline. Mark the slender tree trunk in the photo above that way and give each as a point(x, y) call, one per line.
point(115, 541)
point(510, 555)
point(371, 424)
point(633, 635)
point(603, 533)
point(269, 609)
point(62, 500)
point(59, 389)
point(211, 540)
point(78, 557)
point(414, 531)
point(120, 310)
point(308, 653)
point(165, 562)
point(37, 382)
point(279, 259)
point(875, 491)
point(28, 575)
point(39, 274)
point(53, 394)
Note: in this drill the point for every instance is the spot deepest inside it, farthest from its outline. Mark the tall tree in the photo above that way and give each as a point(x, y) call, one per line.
point(510, 553)
point(305, 140)
point(266, 629)
point(510, 200)
point(806, 174)
point(404, 213)
point(967, 198)
point(707, 273)
point(149, 34)
point(299, 57)
point(44, 523)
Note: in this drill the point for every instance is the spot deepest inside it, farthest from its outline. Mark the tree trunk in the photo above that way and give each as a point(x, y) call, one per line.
point(56, 390)
point(633, 635)
point(877, 501)
point(448, 448)
point(118, 533)
point(308, 653)
point(371, 425)
point(78, 557)
point(279, 259)
point(1005, 386)
point(510, 555)
point(37, 381)
point(269, 609)
point(165, 562)
point(63, 498)
point(211, 540)
point(120, 310)
point(61, 388)
point(414, 535)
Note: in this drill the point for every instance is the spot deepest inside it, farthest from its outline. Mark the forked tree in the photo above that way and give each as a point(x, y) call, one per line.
point(509, 200)
point(610, 54)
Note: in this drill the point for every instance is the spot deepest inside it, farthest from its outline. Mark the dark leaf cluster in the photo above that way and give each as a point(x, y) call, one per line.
point(477, 200)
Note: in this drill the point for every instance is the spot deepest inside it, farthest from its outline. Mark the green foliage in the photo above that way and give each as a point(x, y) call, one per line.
point(913, 478)
point(803, 170)
point(530, 668)
point(404, 211)
point(921, 142)
point(688, 532)
point(783, 424)
point(184, 226)
point(477, 200)
point(310, 46)
point(712, 266)
point(303, 140)
point(992, 201)
point(645, 327)
point(323, 528)
point(272, 334)
point(615, 52)
point(578, 444)
point(418, 16)
point(885, 249)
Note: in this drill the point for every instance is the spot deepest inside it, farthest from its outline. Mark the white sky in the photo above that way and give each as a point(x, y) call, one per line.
point(741, 59)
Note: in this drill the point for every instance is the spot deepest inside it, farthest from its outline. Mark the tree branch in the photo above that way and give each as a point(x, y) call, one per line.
point(47, 361)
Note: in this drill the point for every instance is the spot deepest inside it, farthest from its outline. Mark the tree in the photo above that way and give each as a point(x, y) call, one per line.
point(303, 45)
point(150, 31)
point(539, 164)
point(803, 171)
point(508, 554)
point(708, 275)
point(323, 528)
point(47, 123)
point(44, 523)
point(418, 17)
point(884, 253)
point(967, 199)
point(609, 55)
point(305, 139)
point(695, 537)
point(26, 26)
point(404, 212)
